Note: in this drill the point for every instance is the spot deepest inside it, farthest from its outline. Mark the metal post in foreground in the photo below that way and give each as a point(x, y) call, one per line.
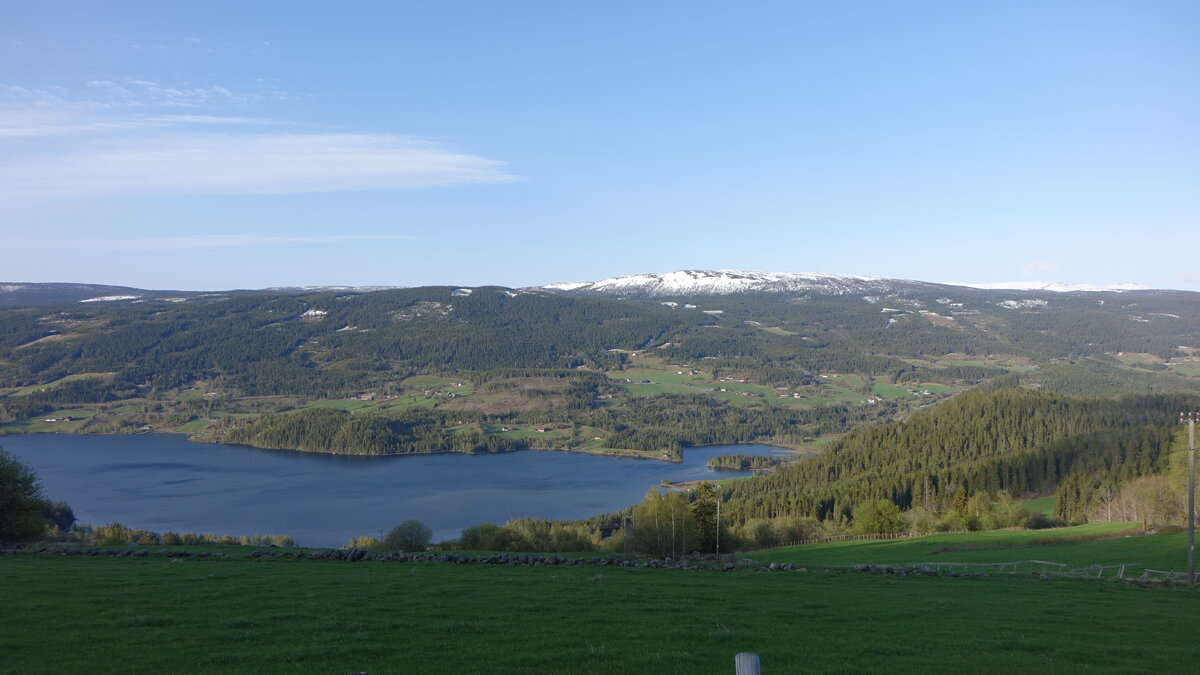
point(1190, 418)
point(746, 663)
point(718, 527)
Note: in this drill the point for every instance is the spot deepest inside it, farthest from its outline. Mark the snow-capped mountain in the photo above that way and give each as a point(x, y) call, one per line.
point(1056, 286)
point(726, 282)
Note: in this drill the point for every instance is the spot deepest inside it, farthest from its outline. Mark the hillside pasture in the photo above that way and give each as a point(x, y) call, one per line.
point(506, 396)
point(1188, 369)
point(249, 616)
point(408, 401)
point(39, 425)
point(419, 383)
point(24, 391)
point(1133, 358)
point(1042, 505)
point(347, 404)
point(1084, 545)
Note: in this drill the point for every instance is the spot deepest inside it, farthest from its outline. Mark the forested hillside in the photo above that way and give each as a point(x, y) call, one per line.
point(259, 344)
point(491, 369)
point(1017, 441)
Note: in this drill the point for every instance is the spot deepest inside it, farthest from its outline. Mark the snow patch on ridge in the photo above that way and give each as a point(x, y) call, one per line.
point(1023, 304)
point(1055, 286)
point(112, 298)
point(568, 285)
point(724, 282)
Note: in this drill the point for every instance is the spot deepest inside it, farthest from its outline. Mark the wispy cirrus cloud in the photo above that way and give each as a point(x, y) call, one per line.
point(134, 140)
point(248, 163)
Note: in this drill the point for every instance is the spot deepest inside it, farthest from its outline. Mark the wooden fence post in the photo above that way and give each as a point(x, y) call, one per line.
point(746, 663)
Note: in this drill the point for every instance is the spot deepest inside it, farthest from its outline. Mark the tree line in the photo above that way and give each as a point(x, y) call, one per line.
point(1018, 441)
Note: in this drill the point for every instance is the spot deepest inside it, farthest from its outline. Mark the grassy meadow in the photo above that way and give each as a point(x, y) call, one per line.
point(1042, 505)
point(1081, 546)
point(84, 615)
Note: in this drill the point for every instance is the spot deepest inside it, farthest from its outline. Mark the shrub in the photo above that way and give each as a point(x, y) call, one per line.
point(411, 535)
point(21, 502)
point(481, 537)
point(363, 543)
point(878, 516)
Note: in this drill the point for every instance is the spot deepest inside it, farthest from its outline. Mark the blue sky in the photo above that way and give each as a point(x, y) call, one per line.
point(220, 145)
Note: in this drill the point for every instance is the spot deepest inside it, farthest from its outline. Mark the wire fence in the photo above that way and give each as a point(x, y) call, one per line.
point(857, 537)
point(1044, 568)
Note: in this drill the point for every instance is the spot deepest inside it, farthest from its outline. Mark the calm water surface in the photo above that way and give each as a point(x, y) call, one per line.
point(164, 482)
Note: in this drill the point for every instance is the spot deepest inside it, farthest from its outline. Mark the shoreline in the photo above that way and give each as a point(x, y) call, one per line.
point(619, 453)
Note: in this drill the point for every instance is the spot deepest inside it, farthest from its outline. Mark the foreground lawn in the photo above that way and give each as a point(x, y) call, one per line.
point(76, 615)
point(1098, 543)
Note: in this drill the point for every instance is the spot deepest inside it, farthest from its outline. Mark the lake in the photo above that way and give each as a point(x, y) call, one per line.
point(164, 482)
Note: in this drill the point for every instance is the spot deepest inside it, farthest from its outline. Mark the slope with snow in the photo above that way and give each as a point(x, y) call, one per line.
point(725, 282)
point(1056, 286)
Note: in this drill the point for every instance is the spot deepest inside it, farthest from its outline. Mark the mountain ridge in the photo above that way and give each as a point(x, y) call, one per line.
point(724, 282)
point(733, 281)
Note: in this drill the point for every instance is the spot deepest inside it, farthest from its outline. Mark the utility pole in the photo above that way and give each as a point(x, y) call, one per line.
point(1190, 418)
point(718, 527)
point(628, 527)
point(672, 530)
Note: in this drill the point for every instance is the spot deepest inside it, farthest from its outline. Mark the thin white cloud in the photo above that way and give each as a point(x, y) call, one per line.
point(47, 121)
point(230, 241)
point(108, 102)
point(206, 164)
point(149, 92)
point(1036, 267)
point(209, 119)
point(129, 140)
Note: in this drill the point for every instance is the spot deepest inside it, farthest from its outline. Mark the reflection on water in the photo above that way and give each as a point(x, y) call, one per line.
point(164, 483)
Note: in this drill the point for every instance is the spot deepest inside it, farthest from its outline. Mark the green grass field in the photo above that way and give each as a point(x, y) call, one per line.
point(86, 615)
point(1097, 543)
point(1130, 358)
point(1042, 505)
point(420, 383)
point(820, 442)
point(22, 391)
point(194, 426)
point(667, 379)
point(37, 425)
point(882, 388)
point(347, 404)
point(406, 401)
point(1188, 369)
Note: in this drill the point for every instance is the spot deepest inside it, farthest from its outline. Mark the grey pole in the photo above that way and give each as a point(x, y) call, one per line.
point(718, 527)
point(1191, 546)
point(746, 663)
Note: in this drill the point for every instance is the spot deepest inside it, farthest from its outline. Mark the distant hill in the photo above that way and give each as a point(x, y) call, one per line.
point(727, 282)
point(909, 389)
point(25, 294)
point(19, 294)
point(778, 327)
